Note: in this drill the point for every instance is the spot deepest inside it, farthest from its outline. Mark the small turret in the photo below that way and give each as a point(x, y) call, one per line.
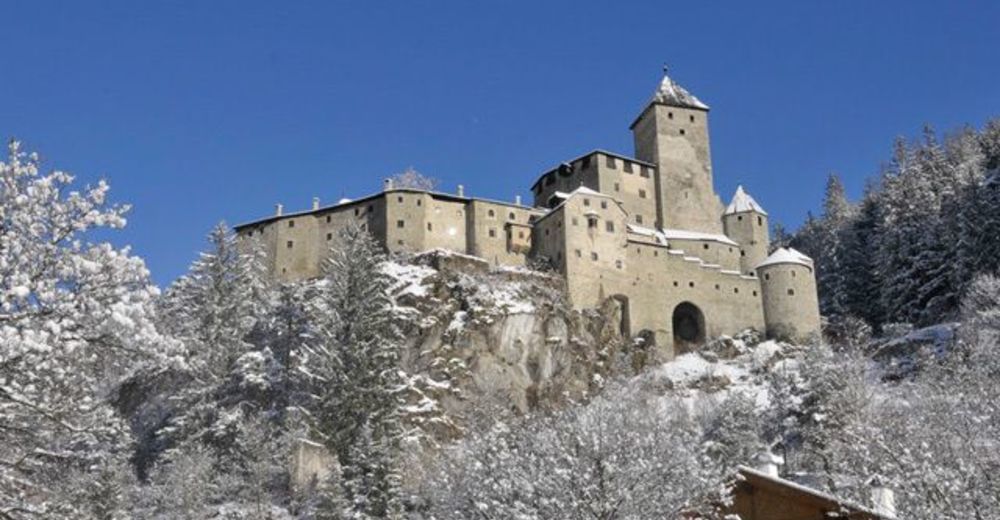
point(788, 290)
point(745, 221)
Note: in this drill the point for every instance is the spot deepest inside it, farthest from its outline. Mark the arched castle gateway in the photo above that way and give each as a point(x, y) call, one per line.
point(648, 231)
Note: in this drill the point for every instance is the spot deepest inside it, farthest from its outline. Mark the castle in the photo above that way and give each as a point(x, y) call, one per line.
point(648, 231)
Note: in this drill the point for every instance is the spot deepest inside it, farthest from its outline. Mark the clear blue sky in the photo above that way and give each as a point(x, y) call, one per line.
point(201, 111)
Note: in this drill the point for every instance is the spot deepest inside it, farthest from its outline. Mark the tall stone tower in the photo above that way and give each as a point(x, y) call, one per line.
point(746, 222)
point(672, 132)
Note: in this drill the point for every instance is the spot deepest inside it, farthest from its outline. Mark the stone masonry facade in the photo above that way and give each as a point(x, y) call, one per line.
point(648, 231)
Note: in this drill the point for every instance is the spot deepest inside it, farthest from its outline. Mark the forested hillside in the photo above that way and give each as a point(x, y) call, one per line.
point(436, 387)
point(925, 227)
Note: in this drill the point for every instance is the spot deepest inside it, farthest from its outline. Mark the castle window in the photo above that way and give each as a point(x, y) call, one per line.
point(493, 233)
point(609, 162)
point(400, 242)
point(691, 118)
point(546, 231)
point(371, 208)
point(793, 274)
point(736, 290)
point(638, 219)
point(329, 236)
point(610, 226)
point(586, 202)
point(399, 199)
point(670, 115)
point(691, 284)
point(717, 287)
point(400, 223)
point(739, 217)
point(791, 292)
point(520, 234)
point(618, 264)
point(676, 284)
point(755, 293)
point(574, 221)
point(511, 216)
point(578, 253)
point(618, 187)
point(642, 194)
point(604, 204)
point(704, 246)
point(730, 250)
point(656, 253)
point(760, 221)
point(291, 223)
point(289, 244)
point(591, 222)
point(491, 213)
point(628, 167)
point(767, 276)
point(682, 131)
point(419, 202)
point(328, 219)
point(743, 253)
point(644, 171)
point(430, 227)
point(593, 256)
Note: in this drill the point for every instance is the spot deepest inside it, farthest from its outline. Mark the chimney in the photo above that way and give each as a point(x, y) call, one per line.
point(517, 200)
point(387, 185)
point(461, 190)
point(278, 209)
point(315, 203)
point(883, 499)
point(767, 463)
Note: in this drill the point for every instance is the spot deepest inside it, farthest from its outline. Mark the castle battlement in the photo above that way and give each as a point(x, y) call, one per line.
point(649, 232)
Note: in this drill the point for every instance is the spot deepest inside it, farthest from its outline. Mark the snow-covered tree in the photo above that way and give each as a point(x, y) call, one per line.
point(75, 317)
point(411, 178)
point(353, 376)
point(624, 455)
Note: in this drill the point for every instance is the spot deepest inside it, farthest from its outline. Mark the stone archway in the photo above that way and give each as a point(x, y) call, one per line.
point(689, 327)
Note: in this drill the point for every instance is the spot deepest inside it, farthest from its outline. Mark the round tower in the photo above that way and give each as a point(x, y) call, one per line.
point(788, 290)
point(746, 222)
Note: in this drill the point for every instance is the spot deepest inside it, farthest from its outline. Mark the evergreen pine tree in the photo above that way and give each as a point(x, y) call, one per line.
point(354, 375)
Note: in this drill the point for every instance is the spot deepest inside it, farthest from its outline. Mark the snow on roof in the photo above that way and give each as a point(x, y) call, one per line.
point(742, 201)
point(670, 93)
point(665, 235)
point(786, 255)
point(750, 472)
point(344, 200)
point(682, 234)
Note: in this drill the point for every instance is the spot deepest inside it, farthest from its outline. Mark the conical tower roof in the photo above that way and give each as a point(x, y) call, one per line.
point(670, 93)
point(742, 201)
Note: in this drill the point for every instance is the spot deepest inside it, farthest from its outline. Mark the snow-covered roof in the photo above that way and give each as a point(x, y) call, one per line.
point(582, 190)
point(786, 255)
point(670, 93)
point(742, 201)
point(751, 473)
point(665, 235)
point(344, 200)
point(682, 234)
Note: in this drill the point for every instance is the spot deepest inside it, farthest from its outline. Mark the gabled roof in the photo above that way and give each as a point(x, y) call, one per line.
point(670, 93)
point(760, 479)
point(786, 255)
point(742, 201)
